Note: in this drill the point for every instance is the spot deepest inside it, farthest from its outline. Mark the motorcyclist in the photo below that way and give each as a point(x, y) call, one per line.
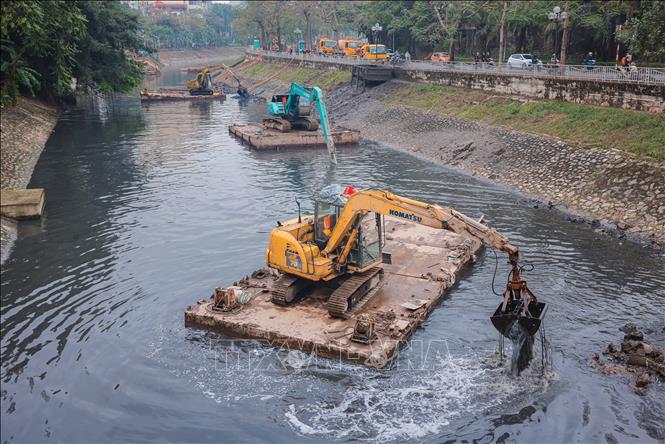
point(589, 61)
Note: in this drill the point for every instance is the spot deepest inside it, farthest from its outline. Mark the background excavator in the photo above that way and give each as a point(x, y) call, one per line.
point(202, 84)
point(340, 246)
point(292, 111)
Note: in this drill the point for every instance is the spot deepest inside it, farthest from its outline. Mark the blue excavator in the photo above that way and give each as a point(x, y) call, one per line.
point(292, 111)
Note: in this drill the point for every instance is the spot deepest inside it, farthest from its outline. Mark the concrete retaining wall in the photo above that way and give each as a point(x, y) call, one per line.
point(622, 95)
point(307, 63)
point(633, 96)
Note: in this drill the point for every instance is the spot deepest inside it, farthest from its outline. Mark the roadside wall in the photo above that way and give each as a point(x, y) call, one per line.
point(633, 96)
point(307, 63)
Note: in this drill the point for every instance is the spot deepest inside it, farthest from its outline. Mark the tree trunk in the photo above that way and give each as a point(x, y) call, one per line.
point(308, 31)
point(263, 36)
point(451, 51)
point(564, 39)
point(335, 22)
point(279, 34)
point(502, 25)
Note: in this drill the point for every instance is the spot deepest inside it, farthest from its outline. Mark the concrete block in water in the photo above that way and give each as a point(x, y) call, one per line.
point(22, 204)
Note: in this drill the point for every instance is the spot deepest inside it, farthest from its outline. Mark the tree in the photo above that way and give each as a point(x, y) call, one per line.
point(16, 74)
point(502, 25)
point(646, 32)
point(454, 13)
point(102, 58)
point(566, 29)
point(47, 42)
point(254, 17)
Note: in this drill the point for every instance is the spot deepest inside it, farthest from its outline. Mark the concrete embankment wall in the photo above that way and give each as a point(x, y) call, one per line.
point(24, 130)
point(640, 97)
point(633, 96)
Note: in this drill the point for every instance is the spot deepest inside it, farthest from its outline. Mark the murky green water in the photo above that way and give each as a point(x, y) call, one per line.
point(150, 207)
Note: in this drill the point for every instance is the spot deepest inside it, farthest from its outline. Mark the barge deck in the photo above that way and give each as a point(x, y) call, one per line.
point(425, 263)
point(269, 139)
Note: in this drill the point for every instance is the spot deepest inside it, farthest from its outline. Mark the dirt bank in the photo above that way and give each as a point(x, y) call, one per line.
point(619, 193)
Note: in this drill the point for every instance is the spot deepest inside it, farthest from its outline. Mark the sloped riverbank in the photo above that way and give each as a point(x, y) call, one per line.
point(615, 191)
point(24, 130)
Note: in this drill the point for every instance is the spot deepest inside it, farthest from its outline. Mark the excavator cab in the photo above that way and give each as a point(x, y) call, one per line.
point(368, 246)
point(325, 218)
point(369, 243)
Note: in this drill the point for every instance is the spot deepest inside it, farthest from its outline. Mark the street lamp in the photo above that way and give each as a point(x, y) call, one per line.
point(557, 16)
point(375, 30)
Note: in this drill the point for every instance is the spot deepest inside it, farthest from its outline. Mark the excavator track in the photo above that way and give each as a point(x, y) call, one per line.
point(285, 289)
point(201, 92)
point(354, 288)
point(277, 123)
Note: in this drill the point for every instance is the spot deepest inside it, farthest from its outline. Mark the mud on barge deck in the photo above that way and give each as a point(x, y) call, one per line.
point(268, 139)
point(425, 264)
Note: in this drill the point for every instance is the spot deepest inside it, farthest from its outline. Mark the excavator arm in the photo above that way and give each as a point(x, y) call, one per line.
point(386, 203)
point(435, 216)
point(315, 95)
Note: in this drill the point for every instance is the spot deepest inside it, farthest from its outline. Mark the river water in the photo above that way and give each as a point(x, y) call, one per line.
point(150, 207)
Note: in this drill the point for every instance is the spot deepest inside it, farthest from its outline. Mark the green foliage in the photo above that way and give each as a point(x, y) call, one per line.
point(15, 74)
point(102, 58)
point(43, 37)
point(214, 28)
point(465, 27)
point(646, 33)
point(47, 42)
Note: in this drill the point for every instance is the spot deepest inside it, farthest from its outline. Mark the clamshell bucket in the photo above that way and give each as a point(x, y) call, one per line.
point(529, 319)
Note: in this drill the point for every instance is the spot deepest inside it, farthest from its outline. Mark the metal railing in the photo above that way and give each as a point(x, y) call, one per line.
point(601, 73)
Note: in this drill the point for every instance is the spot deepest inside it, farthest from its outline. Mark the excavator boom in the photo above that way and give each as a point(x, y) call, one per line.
point(386, 203)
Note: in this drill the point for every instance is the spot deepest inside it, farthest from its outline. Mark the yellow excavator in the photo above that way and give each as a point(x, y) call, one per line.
point(202, 84)
point(340, 246)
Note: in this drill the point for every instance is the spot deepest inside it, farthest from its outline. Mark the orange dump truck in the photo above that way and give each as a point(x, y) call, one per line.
point(327, 46)
point(374, 52)
point(349, 47)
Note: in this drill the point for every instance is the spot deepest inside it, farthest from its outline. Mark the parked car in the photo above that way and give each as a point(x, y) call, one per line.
point(440, 57)
point(523, 61)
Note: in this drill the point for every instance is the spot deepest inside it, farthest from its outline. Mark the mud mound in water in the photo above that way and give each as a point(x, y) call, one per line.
point(636, 355)
point(522, 348)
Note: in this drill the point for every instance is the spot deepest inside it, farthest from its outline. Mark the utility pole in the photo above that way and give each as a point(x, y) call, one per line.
point(564, 39)
point(501, 36)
